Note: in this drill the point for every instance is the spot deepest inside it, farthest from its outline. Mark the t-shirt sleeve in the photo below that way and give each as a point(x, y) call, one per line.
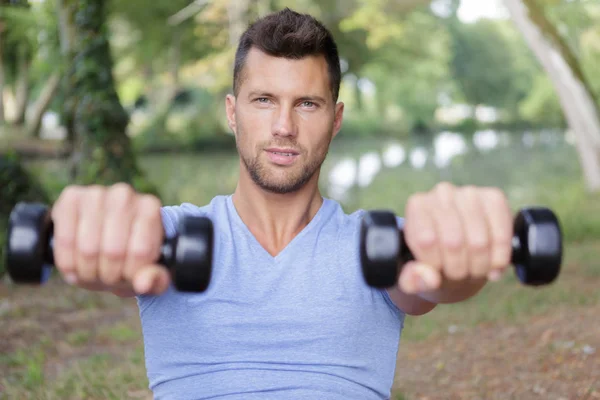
point(170, 220)
point(170, 215)
point(384, 292)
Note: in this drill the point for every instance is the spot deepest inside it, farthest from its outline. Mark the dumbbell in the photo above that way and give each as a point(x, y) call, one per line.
point(30, 258)
point(536, 247)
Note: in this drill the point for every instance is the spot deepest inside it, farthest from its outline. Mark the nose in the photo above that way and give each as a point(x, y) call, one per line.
point(284, 124)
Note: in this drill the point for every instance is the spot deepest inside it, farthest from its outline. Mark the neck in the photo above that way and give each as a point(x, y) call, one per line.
point(275, 219)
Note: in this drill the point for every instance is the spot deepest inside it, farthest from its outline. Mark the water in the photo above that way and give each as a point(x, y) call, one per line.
point(382, 173)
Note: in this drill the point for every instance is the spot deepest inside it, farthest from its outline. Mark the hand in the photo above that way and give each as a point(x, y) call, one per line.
point(457, 236)
point(108, 238)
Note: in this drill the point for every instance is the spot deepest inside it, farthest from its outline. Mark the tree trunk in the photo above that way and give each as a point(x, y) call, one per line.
point(22, 87)
point(175, 57)
point(358, 96)
point(577, 101)
point(65, 11)
point(2, 75)
point(42, 104)
point(105, 155)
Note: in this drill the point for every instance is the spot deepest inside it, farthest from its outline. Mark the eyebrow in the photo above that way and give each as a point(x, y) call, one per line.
point(257, 93)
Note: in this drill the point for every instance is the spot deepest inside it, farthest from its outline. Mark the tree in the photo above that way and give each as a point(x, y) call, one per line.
point(574, 92)
point(30, 64)
point(483, 64)
point(102, 150)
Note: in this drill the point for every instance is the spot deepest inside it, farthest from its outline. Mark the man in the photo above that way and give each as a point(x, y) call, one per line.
point(287, 314)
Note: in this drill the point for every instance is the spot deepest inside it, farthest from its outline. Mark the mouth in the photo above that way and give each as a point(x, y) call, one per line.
point(282, 156)
point(282, 151)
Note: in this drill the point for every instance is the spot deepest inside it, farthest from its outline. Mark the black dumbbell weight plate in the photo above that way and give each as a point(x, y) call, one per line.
point(380, 246)
point(537, 246)
point(192, 258)
point(27, 244)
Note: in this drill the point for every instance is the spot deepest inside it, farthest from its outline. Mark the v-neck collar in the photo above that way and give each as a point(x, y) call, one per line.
point(238, 220)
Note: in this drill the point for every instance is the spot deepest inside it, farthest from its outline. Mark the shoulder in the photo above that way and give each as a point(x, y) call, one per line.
point(357, 216)
point(172, 214)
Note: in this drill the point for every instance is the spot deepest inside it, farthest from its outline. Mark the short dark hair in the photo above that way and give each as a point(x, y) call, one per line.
point(292, 35)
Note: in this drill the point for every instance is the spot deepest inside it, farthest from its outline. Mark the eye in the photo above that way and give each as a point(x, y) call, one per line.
point(262, 100)
point(308, 104)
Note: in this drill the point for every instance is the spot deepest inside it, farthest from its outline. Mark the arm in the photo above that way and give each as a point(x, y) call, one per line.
point(449, 292)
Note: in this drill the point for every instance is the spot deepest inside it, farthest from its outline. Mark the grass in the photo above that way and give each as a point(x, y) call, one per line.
point(510, 302)
point(99, 376)
point(102, 338)
point(107, 359)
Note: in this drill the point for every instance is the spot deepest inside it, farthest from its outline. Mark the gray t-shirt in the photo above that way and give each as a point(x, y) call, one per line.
point(301, 325)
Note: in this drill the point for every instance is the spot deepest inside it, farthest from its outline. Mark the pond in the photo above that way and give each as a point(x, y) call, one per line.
point(383, 173)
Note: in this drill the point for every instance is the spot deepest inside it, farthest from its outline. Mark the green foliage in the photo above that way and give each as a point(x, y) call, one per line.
point(483, 64)
point(541, 106)
point(18, 36)
point(147, 38)
point(197, 123)
point(93, 107)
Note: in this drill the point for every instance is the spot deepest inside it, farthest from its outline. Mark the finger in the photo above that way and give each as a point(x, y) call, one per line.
point(477, 236)
point(64, 218)
point(417, 277)
point(89, 233)
point(151, 279)
point(499, 215)
point(146, 235)
point(119, 213)
point(420, 231)
point(450, 231)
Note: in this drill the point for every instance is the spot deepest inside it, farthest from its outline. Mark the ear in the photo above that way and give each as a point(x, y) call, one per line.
point(337, 121)
point(230, 109)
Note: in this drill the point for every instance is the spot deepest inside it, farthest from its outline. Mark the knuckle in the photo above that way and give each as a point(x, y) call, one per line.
point(495, 195)
point(67, 198)
point(71, 192)
point(149, 204)
point(452, 243)
point(503, 240)
point(444, 188)
point(141, 250)
point(94, 195)
point(478, 243)
point(114, 253)
point(120, 195)
point(64, 240)
point(424, 238)
point(469, 192)
point(64, 264)
point(415, 202)
point(88, 250)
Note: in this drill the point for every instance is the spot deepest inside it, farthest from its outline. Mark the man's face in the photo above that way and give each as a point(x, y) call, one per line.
point(284, 119)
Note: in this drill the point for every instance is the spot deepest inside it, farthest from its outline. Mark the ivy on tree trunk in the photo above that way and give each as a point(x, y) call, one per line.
point(102, 149)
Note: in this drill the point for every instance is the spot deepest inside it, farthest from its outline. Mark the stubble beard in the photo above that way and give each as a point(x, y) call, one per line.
point(281, 182)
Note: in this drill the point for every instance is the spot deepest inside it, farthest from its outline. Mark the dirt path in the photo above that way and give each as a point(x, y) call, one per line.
point(553, 357)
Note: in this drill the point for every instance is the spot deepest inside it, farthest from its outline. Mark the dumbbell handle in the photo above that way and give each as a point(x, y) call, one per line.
point(406, 254)
point(536, 247)
point(30, 250)
point(21, 246)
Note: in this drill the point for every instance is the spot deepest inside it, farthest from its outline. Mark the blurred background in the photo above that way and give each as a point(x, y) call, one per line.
point(497, 93)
